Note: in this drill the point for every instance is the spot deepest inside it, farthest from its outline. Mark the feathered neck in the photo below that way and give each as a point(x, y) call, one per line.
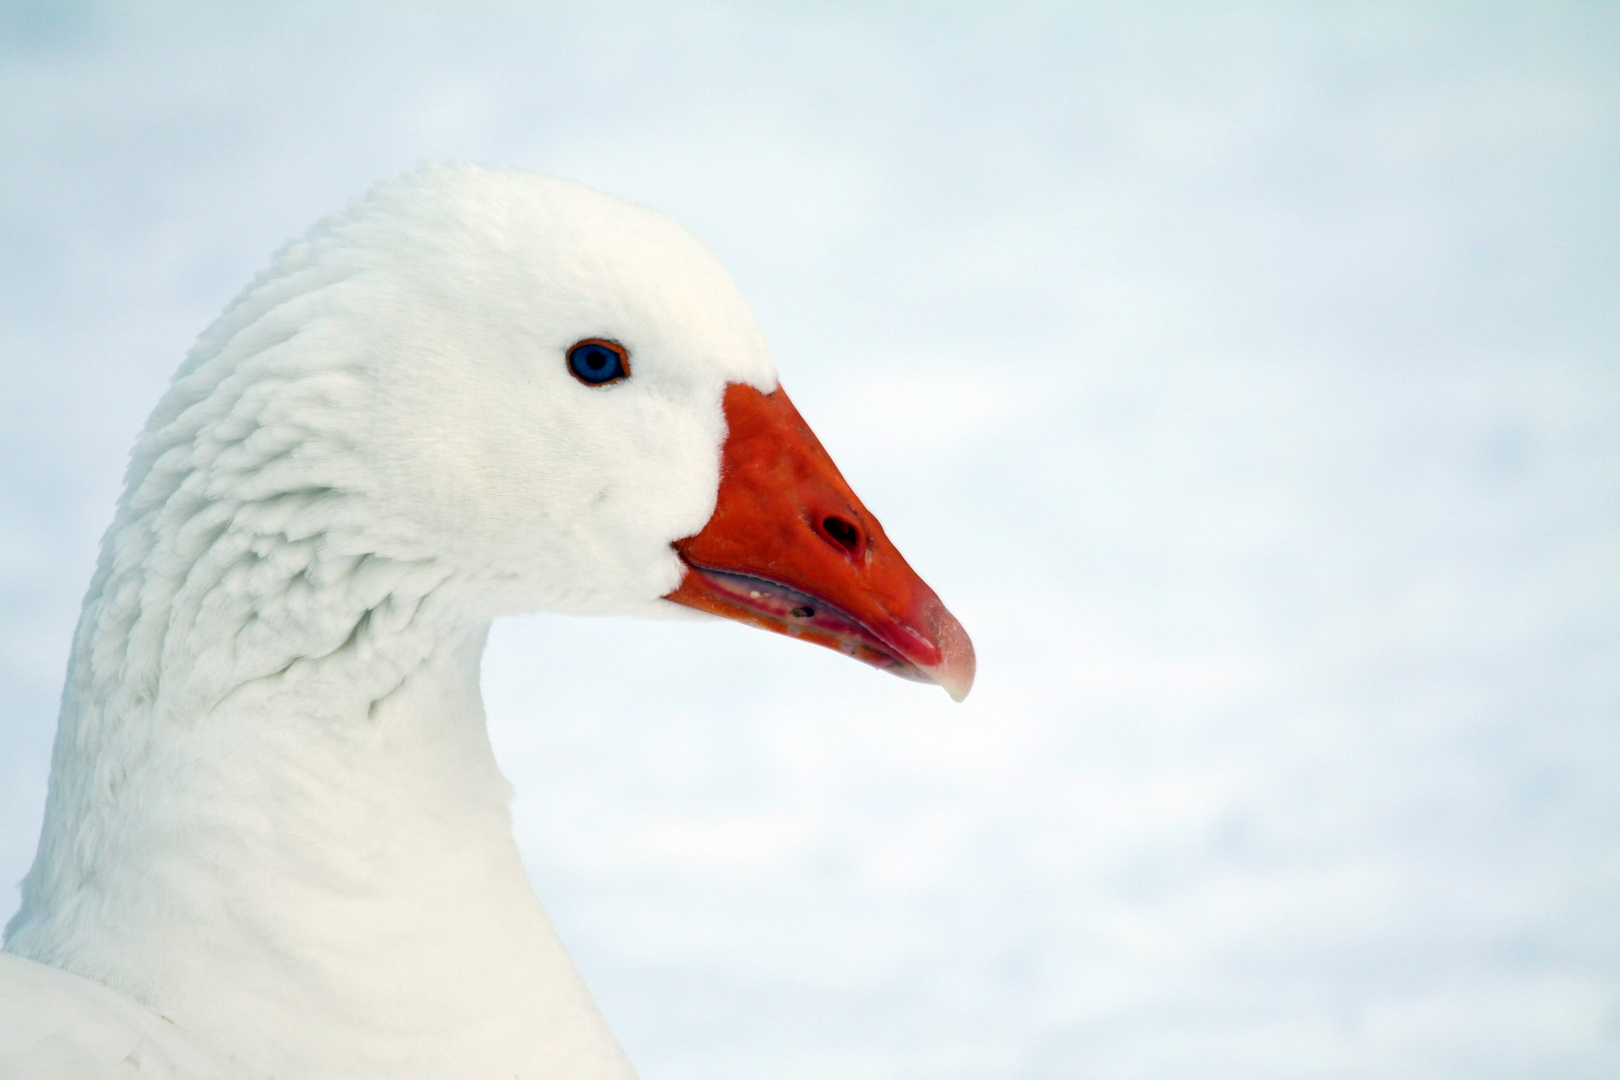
point(274, 816)
point(275, 819)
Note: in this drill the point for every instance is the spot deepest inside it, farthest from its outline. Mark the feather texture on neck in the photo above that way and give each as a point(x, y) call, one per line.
point(273, 805)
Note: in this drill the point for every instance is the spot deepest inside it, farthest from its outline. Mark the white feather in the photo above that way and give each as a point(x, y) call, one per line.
point(274, 818)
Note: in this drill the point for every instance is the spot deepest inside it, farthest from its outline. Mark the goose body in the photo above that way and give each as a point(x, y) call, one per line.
point(277, 844)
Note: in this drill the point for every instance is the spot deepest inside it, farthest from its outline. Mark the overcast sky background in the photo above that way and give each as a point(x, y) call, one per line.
point(1245, 377)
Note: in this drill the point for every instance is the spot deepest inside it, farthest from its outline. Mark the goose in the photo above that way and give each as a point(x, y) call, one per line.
point(276, 843)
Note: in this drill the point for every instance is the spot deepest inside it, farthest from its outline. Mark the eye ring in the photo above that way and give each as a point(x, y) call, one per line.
point(598, 361)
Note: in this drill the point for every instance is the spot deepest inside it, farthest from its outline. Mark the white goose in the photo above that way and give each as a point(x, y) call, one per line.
point(277, 844)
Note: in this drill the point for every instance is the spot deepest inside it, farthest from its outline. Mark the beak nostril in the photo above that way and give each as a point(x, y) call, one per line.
point(843, 532)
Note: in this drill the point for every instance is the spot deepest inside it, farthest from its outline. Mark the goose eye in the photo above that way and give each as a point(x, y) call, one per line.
point(596, 362)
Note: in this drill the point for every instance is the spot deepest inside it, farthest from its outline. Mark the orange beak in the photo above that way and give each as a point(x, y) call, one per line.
point(791, 549)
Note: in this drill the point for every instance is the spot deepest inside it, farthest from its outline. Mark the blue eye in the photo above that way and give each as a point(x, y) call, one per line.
point(596, 362)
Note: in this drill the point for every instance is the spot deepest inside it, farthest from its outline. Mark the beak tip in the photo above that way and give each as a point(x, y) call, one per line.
point(956, 683)
point(958, 665)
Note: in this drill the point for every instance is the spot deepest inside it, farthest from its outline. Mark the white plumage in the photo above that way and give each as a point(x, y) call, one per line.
point(276, 843)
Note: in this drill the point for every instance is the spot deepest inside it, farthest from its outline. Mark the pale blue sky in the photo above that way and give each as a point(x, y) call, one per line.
point(1246, 378)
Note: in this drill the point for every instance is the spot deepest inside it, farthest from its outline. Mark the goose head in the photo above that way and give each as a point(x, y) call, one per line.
point(562, 400)
point(473, 393)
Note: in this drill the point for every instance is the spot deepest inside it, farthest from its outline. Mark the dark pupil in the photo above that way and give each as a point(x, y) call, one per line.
point(595, 363)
